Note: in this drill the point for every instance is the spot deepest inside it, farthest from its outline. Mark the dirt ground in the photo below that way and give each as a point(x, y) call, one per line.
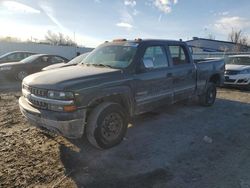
point(178, 146)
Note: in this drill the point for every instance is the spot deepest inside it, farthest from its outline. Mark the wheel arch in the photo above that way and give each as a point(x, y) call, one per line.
point(122, 96)
point(215, 78)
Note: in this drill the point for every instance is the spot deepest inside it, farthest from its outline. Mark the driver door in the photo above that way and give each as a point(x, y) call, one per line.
point(154, 83)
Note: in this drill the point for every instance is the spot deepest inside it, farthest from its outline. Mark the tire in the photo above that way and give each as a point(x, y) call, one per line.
point(106, 125)
point(209, 96)
point(21, 75)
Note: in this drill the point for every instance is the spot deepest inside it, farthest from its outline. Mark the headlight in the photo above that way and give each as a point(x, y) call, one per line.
point(246, 71)
point(60, 95)
point(5, 68)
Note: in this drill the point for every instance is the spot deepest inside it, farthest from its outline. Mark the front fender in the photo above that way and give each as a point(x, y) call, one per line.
point(110, 93)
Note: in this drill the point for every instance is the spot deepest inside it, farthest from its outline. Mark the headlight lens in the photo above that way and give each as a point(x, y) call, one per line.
point(5, 68)
point(60, 95)
point(246, 71)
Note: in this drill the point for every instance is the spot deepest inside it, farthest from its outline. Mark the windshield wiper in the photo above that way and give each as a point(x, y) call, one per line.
point(99, 65)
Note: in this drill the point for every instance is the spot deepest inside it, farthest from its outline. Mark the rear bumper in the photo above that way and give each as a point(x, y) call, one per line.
point(70, 125)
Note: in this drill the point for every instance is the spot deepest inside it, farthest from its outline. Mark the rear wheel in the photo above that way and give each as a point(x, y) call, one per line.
point(107, 125)
point(21, 75)
point(209, 96)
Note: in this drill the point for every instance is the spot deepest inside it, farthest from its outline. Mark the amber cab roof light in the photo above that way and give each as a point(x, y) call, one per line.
point(119, 40)
point(138, 40)
point(123, 40)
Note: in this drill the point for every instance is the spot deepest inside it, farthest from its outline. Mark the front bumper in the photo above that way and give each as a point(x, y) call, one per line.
point(70, 125)
point(237, 80)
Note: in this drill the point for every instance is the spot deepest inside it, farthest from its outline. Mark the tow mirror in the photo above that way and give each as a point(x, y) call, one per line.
point(148, 63)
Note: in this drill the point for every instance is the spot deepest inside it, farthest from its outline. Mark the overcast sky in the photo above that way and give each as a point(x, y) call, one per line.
point(95, 21)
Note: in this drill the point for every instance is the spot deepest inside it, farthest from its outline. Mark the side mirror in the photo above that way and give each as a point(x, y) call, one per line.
point(148, 63)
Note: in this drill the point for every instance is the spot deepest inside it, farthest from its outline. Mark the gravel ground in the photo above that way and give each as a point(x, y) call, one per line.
point(183, 145)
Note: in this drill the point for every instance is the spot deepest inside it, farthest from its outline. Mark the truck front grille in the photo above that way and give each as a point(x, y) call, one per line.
point(39, 92)
point(38, 104)
point(39, 99)
point(36, 92)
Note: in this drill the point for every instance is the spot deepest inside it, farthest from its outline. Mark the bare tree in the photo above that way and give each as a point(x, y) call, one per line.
point(239, 38)
point(59, 39)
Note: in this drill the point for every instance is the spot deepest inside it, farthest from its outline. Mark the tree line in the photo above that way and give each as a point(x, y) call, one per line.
point(236, 36)
point(51, 38)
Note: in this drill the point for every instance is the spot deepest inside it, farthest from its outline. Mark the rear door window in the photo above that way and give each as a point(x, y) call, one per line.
point(44, 59)
point(20, 56)
point(27, 55)
point(56, 59)
point(178, 55)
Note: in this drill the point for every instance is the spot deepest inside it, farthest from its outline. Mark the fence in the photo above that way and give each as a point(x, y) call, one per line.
point(204, 55)
point(65, 51)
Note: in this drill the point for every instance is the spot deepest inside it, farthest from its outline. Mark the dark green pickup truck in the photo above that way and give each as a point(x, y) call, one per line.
point(116, 81)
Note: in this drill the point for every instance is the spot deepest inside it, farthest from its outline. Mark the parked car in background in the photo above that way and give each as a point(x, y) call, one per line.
point(74, 61)
point(207, 59)
point(115, 82)
point(29, 65)
point(237, 71)
point(15, 56)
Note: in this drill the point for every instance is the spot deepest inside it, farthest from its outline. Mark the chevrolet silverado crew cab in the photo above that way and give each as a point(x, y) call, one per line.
point(116, 81)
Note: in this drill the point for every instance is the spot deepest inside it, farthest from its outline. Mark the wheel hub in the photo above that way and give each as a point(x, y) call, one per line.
point(111, 126)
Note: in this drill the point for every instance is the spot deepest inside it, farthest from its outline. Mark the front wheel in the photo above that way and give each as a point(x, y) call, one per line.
point(107, 125)
point(209, 96)
point(21, 75)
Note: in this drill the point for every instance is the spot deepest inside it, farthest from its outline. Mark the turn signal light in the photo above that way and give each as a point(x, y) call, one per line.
point(70, 108)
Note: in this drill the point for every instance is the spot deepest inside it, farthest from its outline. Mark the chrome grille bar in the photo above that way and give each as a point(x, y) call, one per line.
point(38, 98)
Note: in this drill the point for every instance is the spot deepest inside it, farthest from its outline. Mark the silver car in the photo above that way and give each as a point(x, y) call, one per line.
point(237, 71)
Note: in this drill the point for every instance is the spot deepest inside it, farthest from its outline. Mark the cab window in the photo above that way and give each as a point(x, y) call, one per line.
point(157, 55)
point(178, 55)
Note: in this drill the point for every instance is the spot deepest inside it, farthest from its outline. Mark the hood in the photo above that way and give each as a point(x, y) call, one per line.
point(9, 64)
point(236, 67)
point(72, 77)
point(58, 65)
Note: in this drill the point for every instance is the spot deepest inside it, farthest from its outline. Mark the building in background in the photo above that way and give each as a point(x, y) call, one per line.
point(65, 51)
point(199, 45)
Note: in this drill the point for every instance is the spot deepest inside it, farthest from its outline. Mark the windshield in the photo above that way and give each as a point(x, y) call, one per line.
point(4, 55)
point(238, 60)
point(114, 56)
point(30, 59)
point(77, 59)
